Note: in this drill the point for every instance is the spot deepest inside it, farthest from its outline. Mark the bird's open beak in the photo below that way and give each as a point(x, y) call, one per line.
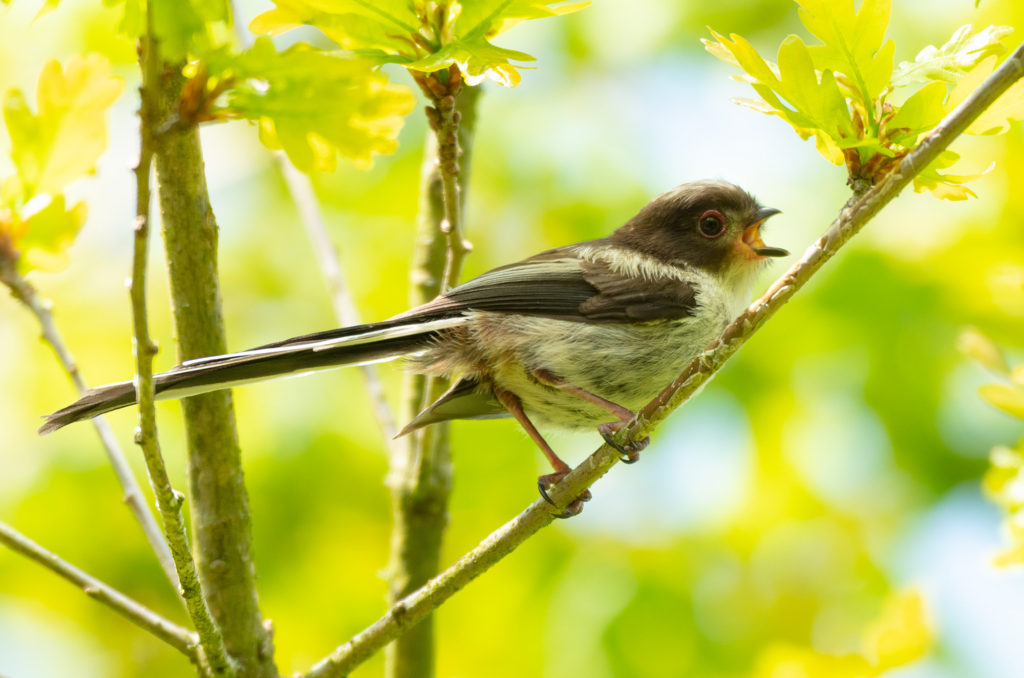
point(752, 235)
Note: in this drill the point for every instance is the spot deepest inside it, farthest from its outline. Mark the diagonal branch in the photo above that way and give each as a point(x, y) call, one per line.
point(27, 294)
point(177, 637)
point(861, 208)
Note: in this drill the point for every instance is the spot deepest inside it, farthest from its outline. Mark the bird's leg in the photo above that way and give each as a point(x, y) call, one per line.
point(630, 451)
point(512, 403)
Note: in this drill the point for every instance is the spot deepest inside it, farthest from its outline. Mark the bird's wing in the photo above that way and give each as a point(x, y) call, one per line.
point(557, 284)
point(561, 284)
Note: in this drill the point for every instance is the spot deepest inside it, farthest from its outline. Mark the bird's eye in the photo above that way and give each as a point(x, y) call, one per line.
point(711, 224)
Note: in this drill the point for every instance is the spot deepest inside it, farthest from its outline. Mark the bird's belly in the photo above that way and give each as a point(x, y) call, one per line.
point(627, 364)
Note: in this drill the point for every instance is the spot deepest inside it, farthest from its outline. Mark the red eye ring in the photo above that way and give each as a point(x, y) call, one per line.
point(711, 224)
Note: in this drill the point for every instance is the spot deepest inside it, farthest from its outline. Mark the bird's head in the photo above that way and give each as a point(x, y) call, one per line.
point(711, 225)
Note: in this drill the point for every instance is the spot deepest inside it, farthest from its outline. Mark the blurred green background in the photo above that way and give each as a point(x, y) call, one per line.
point(832, 464)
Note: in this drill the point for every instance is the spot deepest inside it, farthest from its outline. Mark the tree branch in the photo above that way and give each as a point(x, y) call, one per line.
point(420, 473)
point(221, 523)
point(301, 189)
point(169, 501)
point(865, 204)
point(27, 294)
point(177, 637)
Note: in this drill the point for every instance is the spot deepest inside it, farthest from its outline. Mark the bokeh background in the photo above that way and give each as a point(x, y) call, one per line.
point(833, 464)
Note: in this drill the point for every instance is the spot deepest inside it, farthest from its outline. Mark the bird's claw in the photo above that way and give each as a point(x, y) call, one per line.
point(630, 451)
point(574, 508)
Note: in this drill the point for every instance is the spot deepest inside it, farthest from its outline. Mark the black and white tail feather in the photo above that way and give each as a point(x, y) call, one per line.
point(551, 284)
point(358, 345)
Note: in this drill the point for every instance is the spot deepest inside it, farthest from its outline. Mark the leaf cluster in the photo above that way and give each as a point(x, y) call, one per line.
point(861, 111)
point(51, 147)
point(422, 35)
point(312, 104)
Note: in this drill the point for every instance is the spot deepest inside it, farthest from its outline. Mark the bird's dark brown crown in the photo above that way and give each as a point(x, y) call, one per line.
point(667, 227)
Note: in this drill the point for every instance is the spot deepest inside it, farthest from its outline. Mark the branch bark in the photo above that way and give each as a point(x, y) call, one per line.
point(221, 522)
point(27, 294)
point(179, 638)
point(169, 501)
point(859, 210)
point(420, 475)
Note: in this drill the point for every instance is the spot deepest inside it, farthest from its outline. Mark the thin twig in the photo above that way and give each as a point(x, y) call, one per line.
point(853, 216)
point(177, 637)
point(301, 190)
point(169, 500)
point(444, 119)
point(27, 294)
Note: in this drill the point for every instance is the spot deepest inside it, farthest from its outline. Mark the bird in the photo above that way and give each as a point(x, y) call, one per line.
point(579, 336)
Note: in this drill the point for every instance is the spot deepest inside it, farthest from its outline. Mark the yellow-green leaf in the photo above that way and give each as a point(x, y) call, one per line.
point(1008, 398)
point(852, 42)
point(64, 139)
point(901, 635)
point(47, 232)
point(919, 113)
point(183, 28)
point(312, 104)
point(385, 25)
point(793, 90)
point(418, 34)
point(478, 60)
point(997, 117)
point(960, 54)
point(946, 186)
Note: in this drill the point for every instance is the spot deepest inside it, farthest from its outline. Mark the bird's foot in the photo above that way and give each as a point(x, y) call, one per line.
point(573, 509)
point(631, 450)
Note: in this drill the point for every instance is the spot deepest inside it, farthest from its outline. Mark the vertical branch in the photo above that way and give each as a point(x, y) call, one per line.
point(220, 505)
point(420, 476)
point(27, 294)
point(168, 500)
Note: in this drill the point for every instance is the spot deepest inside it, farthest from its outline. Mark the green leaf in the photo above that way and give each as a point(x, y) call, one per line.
point(65, 138)
point(477, 59)
point(794, 91)
point(497, 16)
point(1008, 398)
point(996, 118)
point(946, 186)
point(423, 36)
point(182, 28)
point(948, 63)
point(385, 25)
point(852, 43)
point(47, 233)
point(312, 104)
point(919, 113)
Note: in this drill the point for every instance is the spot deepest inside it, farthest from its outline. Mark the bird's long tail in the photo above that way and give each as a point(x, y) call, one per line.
point(346, 346)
